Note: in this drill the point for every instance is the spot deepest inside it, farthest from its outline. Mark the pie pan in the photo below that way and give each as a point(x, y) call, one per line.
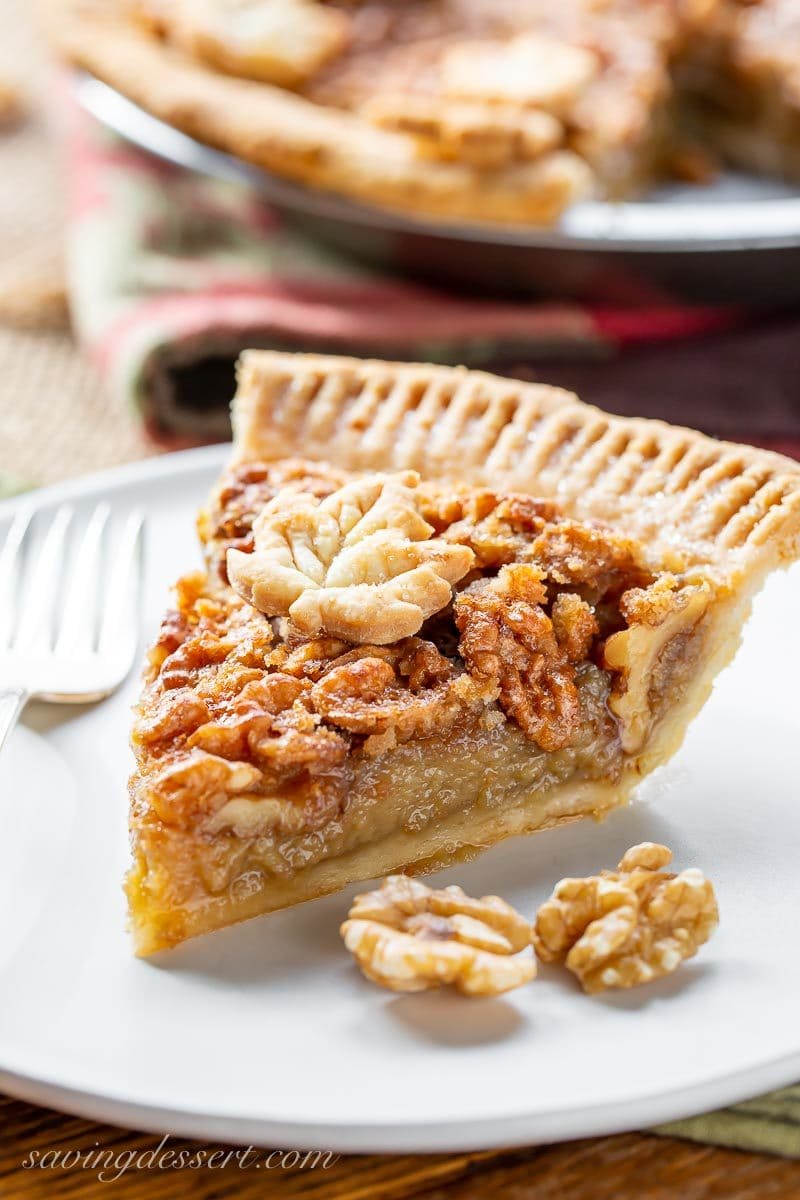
point(734, 241)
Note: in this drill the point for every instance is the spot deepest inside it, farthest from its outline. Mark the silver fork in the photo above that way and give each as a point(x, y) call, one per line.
point(69, 622)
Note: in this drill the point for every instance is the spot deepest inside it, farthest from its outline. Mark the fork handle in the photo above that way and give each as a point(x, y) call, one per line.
point(12, 702)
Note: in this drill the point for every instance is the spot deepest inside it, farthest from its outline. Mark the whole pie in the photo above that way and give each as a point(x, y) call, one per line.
point(439, 609)
point(499, 110)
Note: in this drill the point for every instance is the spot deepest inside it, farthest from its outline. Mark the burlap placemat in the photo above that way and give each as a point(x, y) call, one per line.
point(55, 419)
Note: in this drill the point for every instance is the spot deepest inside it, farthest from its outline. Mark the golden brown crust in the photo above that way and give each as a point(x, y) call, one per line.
point(734, 509)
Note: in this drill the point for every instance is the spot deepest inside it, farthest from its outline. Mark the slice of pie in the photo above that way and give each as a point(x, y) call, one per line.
point(487, 110)
point(440, 609)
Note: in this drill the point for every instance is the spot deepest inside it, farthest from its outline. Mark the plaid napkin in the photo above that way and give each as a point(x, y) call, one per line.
point(172, 275)
point(770, 1124)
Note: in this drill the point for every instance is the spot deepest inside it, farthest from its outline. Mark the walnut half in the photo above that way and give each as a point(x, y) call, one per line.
point(629, 926)
point(408, 937)
point(360, 564)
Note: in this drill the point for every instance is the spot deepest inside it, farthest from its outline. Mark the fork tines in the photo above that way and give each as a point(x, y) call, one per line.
point(70, 583)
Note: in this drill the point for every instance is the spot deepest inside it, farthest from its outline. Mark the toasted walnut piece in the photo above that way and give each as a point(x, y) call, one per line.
point(255, 816)
point(308, 660)
point(175, 715)
point(320, 800)
point(276, 41)
point(480, 133)
point(574, 625)
point(528, 69)
point(197, 785)
point(446, 506)
point(289, 749)
point(422, 664)
point(360, 564)
point(588, 557)
point(629, 926)
point(231, 736)
point(204, 649)
point(409, 937)
point(267, 725)
point(506, 636)
point(368, 695)
point(413, 658)
point(498, 529)
point(656, 616)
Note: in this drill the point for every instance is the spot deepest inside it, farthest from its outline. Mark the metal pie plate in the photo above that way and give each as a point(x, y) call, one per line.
point(735, 240)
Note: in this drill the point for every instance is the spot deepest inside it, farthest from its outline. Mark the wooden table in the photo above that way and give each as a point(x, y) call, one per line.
point(630, 1167)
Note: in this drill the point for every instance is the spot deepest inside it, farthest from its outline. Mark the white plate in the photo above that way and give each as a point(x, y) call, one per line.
point(267, 1033)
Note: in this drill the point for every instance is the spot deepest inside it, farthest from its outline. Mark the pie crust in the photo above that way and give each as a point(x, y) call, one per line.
point(613, 563)
point(505, 111)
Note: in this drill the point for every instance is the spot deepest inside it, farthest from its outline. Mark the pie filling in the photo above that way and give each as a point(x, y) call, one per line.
point(378, 660)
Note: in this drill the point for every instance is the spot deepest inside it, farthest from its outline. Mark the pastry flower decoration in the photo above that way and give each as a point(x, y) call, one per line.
point(360, 564)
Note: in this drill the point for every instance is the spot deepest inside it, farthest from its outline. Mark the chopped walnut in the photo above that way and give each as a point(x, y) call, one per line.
point(175, 714)
point(360, 564)
point(409, 690)
point(541, 72)
point(506, 636)
point(629, 926)
point(574, 625)
point(199, 784)
point(409, 937)
point(588, 558)
point(497, 528)
point(267, 723)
